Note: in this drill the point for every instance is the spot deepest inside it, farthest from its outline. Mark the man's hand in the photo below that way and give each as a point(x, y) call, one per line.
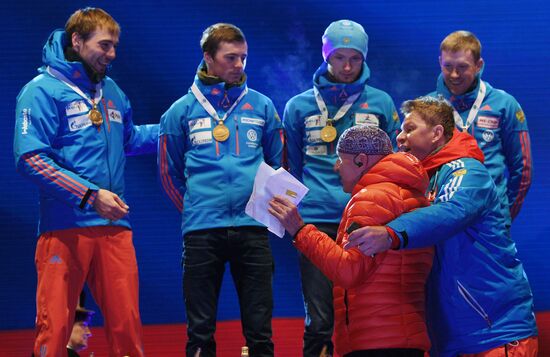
point(287, 213)
point(109, 205)
point(369, 240)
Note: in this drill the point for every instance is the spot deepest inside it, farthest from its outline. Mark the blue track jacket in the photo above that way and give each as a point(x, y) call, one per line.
point(58, 148)
point(500, 129)
point(210, 182)
point(478, 296)
point(310, 159)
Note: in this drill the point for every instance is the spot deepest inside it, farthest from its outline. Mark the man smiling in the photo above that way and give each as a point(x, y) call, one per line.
point(492, 116)
point(73, 129)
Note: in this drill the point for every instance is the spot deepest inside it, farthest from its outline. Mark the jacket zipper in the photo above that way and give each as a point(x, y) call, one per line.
point(473, 303)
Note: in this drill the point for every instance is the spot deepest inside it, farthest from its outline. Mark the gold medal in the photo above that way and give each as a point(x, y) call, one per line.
point(95, 116)
point(221, 132)
point(328, 133)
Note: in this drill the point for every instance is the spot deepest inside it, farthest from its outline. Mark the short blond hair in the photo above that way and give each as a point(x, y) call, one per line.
point(87, 20)
point(462, 41)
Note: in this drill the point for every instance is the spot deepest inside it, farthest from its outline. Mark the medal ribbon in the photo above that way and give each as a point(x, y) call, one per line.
point(343, 109)
point(210, 109)
point(473, 112)
point(62, 78)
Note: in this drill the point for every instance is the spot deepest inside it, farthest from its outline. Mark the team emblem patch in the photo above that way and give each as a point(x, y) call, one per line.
point(76, 107)
point(252, 135)
point(366, 119)
point(488, 136)
point(520, 116)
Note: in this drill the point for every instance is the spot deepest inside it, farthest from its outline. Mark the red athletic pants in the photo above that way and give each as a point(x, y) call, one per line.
point(528, 347)
point(105, 258)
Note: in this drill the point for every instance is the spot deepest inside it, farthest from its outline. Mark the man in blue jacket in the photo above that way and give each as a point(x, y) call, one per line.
point(479, 302)
point(313, 122)
point(73, 129)
point(492, 116)
point(212, 141)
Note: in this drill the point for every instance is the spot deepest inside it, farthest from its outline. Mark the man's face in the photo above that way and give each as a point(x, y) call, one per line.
point(459, 70)
point(98, 51)
point(79, 336)
point(229, 62)
point(416, 137)
point(349, 171)
point(345, 64)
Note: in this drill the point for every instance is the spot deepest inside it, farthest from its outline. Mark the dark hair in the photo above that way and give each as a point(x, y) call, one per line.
point(217, 33)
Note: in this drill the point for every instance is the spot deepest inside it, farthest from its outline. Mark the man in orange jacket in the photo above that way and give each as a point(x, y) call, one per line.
point(378, 300)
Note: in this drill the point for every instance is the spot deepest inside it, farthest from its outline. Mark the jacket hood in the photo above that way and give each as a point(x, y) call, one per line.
point(461, 145)
point(53, 55)
point(337, 93)
point(402, 169)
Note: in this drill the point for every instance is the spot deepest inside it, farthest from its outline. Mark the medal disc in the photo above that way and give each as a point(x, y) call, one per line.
point(96, 117)
point(221, 132)
point(328, 134)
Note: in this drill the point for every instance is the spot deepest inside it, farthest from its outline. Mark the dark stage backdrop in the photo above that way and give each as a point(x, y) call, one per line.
point(157, 58)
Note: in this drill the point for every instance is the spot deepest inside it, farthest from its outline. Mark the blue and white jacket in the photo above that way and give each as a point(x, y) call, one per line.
point(478, 296)
point(209, 181)
point(58, 148)
point(310, 159)
point(500, 129)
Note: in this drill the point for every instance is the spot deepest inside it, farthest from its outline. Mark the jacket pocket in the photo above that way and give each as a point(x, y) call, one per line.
point(470, 300)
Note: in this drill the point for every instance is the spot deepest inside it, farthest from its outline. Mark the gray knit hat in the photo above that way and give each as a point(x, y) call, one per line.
point(364, 139)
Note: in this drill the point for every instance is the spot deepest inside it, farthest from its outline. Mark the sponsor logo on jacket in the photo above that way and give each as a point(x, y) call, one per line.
point(79, 122)
point(488, 122)
point(114, 115)
point(253, 121)
point(26, 122)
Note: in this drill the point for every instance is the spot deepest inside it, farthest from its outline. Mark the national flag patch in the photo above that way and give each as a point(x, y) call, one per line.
point(486, 107)
point(110, 104)
point(460, 172)
point(215, 91)
point(395, 116)
point(520, 116)
point(364, 105)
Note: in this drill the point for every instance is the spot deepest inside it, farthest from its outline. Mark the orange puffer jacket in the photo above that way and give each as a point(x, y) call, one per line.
point(378, 301)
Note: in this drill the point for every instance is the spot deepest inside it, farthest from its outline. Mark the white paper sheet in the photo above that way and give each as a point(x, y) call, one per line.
point(267, 183)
